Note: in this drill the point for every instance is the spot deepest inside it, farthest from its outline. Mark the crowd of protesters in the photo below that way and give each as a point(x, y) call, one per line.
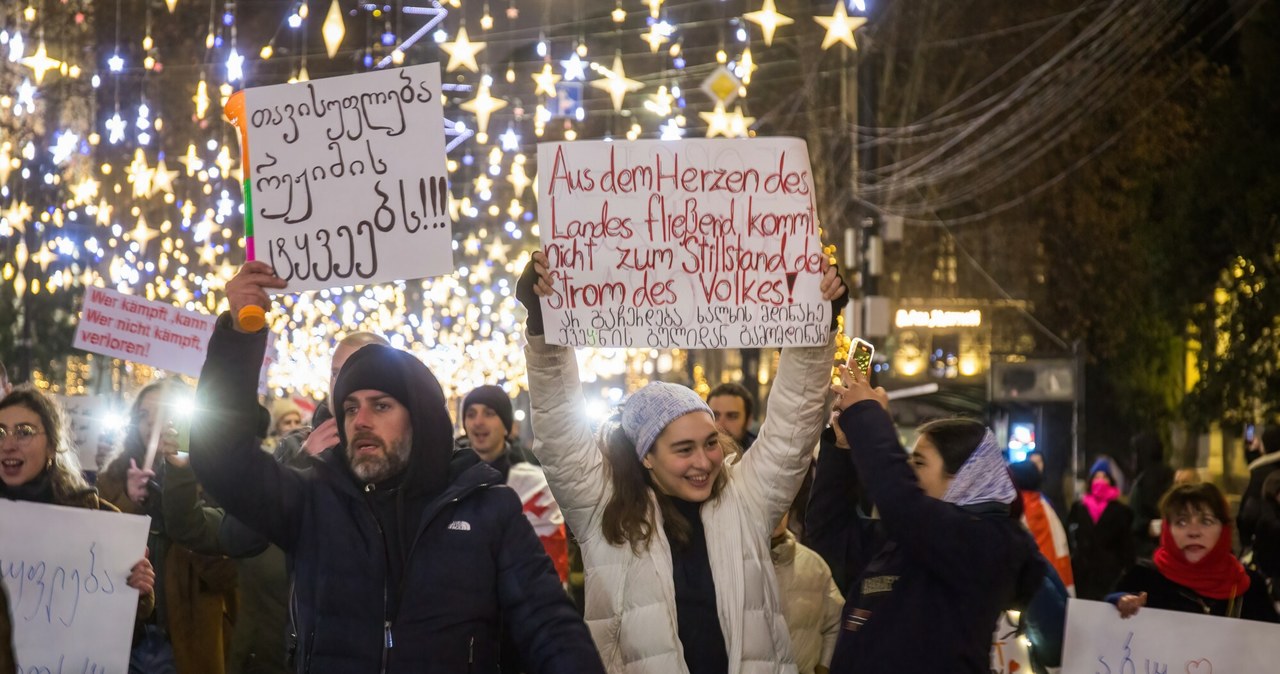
point(365, 536)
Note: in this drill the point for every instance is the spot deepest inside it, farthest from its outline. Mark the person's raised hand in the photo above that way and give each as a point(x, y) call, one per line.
point(834, 291)
point(248, 288)
point(534, 284)
point(855, 388)
point(142, 577)
point(1130, 603)
point(136, 482)
point(322, 437)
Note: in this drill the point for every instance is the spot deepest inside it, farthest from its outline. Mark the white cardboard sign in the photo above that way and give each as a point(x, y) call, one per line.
point(152, 333)
point(1098, 641)
point(347, 180)
point(701, 244)
point(65, 570)
point(86, 423)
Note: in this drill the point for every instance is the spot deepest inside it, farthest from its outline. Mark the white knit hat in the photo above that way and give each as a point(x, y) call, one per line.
point(650, 409)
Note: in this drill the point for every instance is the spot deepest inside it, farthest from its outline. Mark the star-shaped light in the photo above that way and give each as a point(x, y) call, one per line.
point(481, 274)
point(658, 35)
point(162, 178)
point(64, 146)
point(655, 7)
point(115, 63)
point(482, 106)
point(235, 66)
point(140, 175)
point(208, 255)
point(471, 245)
point(519, 179)
point(18, 215)
point(498, 251)
point(26, 97)
point(462, 52)
point(40, 63)
point(510, 140)
point(574, 68)
point(546, 81)
point(333, 29)
point(141, 233)
point(85, 191)
point(103, 216)
point(672, 131)
point(769, 19)
point(201, 99)
point(616, 82)
point(115, 128)
point(660, 102)
point(840, 27)
point(720, 123)
point(191, 160)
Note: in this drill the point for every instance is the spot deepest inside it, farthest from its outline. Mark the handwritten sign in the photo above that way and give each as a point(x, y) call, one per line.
point(347, 181)
point(152, 333)
point(71, 608)
point(1009, 652)
point(1098, 641)
point(689, 244)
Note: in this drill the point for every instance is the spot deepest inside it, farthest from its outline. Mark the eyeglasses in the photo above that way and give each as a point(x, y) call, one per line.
point(22, 433)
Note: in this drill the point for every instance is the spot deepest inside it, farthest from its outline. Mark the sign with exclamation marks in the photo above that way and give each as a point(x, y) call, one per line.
point(347, 180)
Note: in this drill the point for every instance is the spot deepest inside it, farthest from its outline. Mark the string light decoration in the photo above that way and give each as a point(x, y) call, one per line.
point(143, 195)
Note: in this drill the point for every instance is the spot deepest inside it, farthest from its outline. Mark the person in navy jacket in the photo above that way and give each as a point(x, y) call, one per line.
point(954, 556)
point(407, 556)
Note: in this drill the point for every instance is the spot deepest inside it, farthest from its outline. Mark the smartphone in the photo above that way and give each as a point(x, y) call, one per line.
point(1248, 434)
point(860, 353)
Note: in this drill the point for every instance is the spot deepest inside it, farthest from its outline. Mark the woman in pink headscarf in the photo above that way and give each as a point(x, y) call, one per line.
point(1098, 529)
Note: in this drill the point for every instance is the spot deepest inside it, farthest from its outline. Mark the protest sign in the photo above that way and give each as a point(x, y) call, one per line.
point(345, 178)
point(152, 333)
point(1099, 641)
point(66, 570)
point(686, 244)
point(1009, 650)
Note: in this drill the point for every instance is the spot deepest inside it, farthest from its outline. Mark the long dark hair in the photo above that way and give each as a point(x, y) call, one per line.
point(134, 445)
point(69, 487)
point(956, 440)
point(628, 515)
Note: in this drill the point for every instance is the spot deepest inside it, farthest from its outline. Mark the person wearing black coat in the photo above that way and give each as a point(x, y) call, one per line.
point(407, 556)
point(1100, 532)
point(1153, 480)
point(837, 522)
point(954, 556)
point(1193, 570)
point(1259, 470)
point(1266, 536)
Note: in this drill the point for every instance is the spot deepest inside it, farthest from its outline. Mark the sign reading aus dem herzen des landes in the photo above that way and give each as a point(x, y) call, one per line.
point(699, 244)
point(346, 178)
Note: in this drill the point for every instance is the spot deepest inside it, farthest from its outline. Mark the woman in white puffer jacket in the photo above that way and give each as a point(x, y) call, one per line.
point(811, 601)
point(675, 542)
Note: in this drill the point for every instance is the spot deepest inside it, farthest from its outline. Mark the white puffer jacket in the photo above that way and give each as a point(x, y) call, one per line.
point(811, 602)
point(630, 598)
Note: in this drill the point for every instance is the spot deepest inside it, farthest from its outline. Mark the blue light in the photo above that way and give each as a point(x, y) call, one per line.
point(678, 62)
point(388, 38)
point(295, 21)
point(228, 19)
point(368, 60)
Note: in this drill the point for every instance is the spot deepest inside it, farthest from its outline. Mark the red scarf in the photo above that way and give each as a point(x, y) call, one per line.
point(1218, 576)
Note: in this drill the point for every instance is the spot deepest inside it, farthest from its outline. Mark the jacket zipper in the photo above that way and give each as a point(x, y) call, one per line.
point(471, 655)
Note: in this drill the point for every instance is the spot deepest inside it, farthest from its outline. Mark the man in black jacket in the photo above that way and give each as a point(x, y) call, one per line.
point(407, 557)
point(1251, 504)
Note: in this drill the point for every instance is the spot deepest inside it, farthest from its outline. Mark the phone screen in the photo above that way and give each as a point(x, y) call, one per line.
point(1248, 434)
point(860, 354)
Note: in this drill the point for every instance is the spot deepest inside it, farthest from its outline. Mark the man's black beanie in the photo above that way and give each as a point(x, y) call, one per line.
point(495, 399)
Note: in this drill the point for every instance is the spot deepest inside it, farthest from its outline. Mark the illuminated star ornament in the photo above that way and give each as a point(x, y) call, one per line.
point(333, 29)
point(40, 63)
point(462, 52)
point(616, 82)
point(720, 123)
point(840, 27)
point(769, 19)
point(546, 81)
point(116, 127)
point(140, 175)
point(574, 68)
point(482, 106)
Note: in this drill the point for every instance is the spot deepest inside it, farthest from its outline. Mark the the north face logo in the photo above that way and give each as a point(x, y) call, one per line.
point(459, 525)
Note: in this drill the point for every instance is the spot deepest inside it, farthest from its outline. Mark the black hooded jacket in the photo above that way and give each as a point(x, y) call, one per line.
point(415, 574)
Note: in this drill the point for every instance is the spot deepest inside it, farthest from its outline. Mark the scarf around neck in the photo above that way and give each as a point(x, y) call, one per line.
point(1218, 576)
point(1100, 494)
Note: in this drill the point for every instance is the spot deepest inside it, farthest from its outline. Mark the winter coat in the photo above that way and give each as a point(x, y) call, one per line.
point(811, 602)
point(470, 564)
point(836, 522)
point(1251, 501)
point(258, 642)
point(1163, 593)
point(630, 597)
point(1148, 488)
point(1100, 551)
point(1266, 543)
point(928, 602)
point(1051, 537)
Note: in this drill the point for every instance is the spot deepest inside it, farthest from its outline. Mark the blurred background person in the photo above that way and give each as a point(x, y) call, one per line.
point(1251, 501)
point(1099, 529)
point(1039, 518)
point(811, 602)
point(734, 408)
point(1153, 479)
